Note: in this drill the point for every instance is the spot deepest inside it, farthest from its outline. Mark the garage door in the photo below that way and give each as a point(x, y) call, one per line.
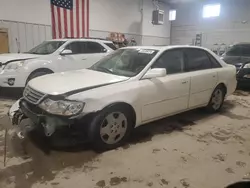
point(4, 42)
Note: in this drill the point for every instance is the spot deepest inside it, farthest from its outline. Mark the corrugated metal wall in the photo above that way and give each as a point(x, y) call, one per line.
point(24, 36)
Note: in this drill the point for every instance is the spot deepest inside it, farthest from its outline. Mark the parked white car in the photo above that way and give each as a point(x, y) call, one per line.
point(128, 88)
point(49, 57)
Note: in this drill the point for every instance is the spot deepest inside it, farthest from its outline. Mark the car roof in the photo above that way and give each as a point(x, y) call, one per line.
point(163, 48)
point(82, 39)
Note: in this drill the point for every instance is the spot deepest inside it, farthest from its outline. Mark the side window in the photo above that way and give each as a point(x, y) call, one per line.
point(111, 45)
point(197, 59)
point(245, 50)
point(94, 47)
point(76, 47)
point(214, 62)
point(172, 61)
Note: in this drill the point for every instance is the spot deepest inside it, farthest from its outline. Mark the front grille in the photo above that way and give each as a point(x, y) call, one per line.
point(33, 108)
point(32, 96)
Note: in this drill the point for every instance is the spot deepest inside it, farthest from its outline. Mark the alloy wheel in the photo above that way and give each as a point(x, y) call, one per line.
point(113, 127)
point(217, 99)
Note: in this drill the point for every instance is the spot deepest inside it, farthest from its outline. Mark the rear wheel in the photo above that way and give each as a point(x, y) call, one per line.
point(110, 128)
point(217, 99)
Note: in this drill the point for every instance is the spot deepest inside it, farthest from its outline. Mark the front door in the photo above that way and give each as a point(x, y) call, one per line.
point(84, 55)
point(202, 68)
point(166, 95)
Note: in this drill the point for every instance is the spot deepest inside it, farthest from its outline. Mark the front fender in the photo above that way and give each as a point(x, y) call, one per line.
point(99, 98)
point(35, 64)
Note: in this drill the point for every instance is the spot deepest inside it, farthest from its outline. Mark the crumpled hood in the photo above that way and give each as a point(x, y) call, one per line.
point(4, 58)
point(73, 81)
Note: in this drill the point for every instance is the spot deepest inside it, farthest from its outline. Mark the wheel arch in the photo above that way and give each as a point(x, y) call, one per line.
point(40, 70)
point(125, 105)
point(49, 71)
point(223, 85)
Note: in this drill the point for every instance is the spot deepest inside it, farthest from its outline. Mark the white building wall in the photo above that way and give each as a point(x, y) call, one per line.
point(29, 21)
point(131, 17)
point(232, 26)
point(29, 11)
point(155, 34)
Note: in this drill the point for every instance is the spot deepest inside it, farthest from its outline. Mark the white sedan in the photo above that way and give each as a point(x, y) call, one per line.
point(128, 88)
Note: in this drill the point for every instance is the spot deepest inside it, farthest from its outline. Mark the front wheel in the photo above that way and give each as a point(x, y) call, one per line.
point(110, 128)
point(217, 99)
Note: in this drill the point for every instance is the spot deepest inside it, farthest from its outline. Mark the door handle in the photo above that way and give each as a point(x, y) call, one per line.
point(214, 76)
point(84, 59)
point(184, 82)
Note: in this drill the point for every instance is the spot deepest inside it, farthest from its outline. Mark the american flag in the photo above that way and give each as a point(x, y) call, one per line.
point(70, 18)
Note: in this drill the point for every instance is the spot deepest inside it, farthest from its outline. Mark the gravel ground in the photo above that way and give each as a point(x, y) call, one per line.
point(193, 149)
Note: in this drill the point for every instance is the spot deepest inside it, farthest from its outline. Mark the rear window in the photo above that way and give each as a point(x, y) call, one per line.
point(234, 51)
point(239, 50)
point(111, 45)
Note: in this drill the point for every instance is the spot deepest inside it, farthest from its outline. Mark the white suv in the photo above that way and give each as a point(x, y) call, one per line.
point(49, 57)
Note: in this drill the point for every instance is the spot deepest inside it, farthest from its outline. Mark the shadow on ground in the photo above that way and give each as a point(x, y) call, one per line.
point(178, 122)
point(11, 93)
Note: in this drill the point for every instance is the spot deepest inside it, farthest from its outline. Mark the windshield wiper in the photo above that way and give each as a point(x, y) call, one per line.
point(103, 69)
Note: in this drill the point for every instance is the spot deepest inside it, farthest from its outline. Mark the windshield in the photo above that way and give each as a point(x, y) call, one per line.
point(125, 62)
point(47, 47)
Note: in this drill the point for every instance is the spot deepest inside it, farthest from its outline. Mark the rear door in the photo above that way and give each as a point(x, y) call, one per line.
point(203, 71)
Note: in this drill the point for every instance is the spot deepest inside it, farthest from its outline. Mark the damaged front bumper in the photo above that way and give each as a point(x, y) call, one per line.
point(26, 117)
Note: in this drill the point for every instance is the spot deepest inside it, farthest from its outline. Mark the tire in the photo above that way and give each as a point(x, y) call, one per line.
point(216, 100)
point(100, 128)
point(36, 74)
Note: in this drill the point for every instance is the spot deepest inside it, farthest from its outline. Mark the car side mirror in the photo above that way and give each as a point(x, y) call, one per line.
point(66, 52)
point(104, 50)
point(155, 73)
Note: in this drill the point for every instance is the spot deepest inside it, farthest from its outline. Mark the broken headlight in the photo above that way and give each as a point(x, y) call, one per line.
point(62, 107)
